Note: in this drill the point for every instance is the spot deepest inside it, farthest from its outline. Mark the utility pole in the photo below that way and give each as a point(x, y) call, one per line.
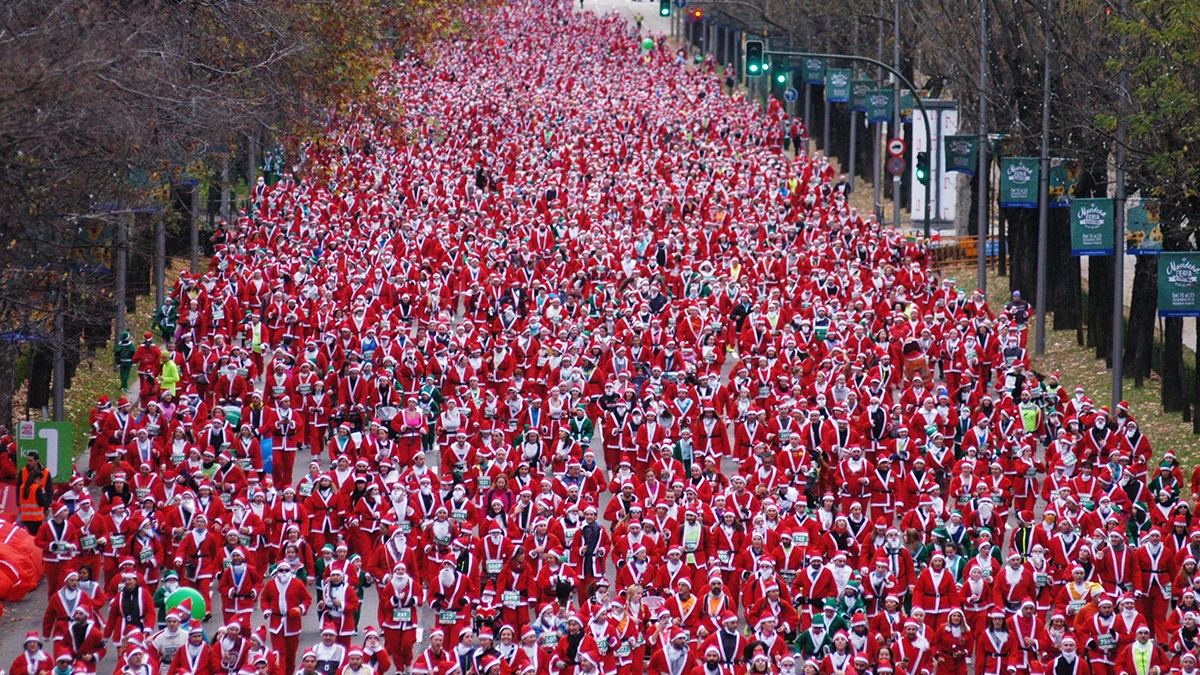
point(981, 223)
point(194, 266)
point(122, 266)
point(1118, 318)
point(877, 128)
point(853, 115)
point(1044, 189)
point(60, 338)
point(160, 259)
point(896, 107)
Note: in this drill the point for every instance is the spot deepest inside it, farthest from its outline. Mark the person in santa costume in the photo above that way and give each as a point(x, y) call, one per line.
point(33, 659)
point(450, 595)
point(195, 657)
point(238, 587)
point(1142, 656)
point(284, 602)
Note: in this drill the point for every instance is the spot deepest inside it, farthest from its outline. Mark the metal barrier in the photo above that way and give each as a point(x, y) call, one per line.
point(960, 252)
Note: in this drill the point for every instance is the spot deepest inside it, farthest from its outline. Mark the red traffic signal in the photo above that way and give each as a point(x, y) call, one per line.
point(697, 14)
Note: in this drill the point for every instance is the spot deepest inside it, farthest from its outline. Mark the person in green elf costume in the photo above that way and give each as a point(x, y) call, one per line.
point(123, 358)
point(166, 319)
point(170, 584)
point(815, 642)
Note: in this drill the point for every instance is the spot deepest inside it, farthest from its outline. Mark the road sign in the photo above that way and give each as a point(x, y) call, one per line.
point(791, 94)
point(896, 147)
point(681, 3)
point(895, 165)
point(53, 441)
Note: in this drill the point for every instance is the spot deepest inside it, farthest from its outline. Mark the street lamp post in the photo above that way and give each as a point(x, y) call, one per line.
point(1044, 193)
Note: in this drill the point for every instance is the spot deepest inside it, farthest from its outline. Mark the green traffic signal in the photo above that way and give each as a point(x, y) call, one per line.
point(781, 78)
point(664, 7)
point(922, 167)
point(755, 63)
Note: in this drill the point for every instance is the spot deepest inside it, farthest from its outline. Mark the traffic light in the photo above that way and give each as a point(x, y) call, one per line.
point(781, 77)
point(664, 7)
point(922, 167)
point(697, 14)
point(755, 65)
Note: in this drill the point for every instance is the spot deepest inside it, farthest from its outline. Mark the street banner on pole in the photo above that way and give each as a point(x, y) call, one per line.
point(879, 105)
point(1064, 175)
point(1019, 182)
point(1143, 233)
point(1179, 283)
point(814, 70)
point(837, 85)
point(962, 153)
point(860, 88)
point(1092, 227)
point(54, 442)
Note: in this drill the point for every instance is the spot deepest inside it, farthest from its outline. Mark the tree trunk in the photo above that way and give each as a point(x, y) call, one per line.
point(1100, 301)
point(1174, 387)
point(8, 373)
point(1022, 241)
point(1139, 331)
point(1063, 280)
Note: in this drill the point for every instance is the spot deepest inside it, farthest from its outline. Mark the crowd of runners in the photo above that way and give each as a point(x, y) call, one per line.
point(576, 370)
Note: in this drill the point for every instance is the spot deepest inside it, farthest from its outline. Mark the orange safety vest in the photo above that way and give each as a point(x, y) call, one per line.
point(30, 510)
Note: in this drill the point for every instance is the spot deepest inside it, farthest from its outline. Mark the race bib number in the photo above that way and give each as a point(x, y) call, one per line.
point(402, 614)
point(141, 493)
point(459, 514)
point(724, 557)
point(146, 555)
point(493, 566)
point(1041, 579)
point(116, 541)
point(549, 640)
point(1074, 606)
point(801, 538)
point(176, 457)
point(305, 489)
point(624, 650)
point(244, 463)
point(87, 543)
point(1106, 641)
point(485, 482)
point(510, 599)
point(447, 616)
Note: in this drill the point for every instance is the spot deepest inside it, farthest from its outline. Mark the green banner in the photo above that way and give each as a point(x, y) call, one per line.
point(879, 105)
point(1064, 175)
point(1179, 283)
point(860, 88)
point(53, 441)
point(1143, 233)
point(837, 85)
point(1019, 182)
point(906, 107)
point(962, 153)
point(814, 70)
point(1091, 227)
